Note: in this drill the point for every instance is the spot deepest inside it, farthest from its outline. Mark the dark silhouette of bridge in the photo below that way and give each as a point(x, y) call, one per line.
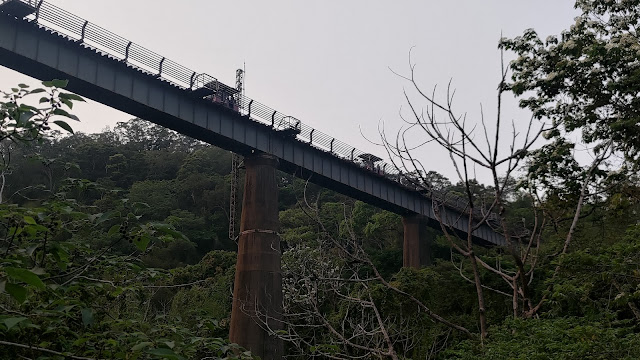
point(46, 42)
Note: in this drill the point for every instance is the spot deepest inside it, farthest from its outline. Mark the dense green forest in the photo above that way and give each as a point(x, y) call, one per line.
point(115, 245)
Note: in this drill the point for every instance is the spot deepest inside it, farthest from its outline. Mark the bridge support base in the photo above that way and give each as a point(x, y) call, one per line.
point(257, 292)
point(417, 243)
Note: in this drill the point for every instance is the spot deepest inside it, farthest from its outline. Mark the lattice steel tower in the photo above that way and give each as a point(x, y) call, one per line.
point(235, 163)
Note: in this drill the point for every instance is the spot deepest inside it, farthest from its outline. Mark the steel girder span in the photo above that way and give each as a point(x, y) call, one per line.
point(44, 54)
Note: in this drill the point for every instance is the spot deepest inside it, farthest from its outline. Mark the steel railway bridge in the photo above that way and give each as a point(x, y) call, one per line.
point(46, 42)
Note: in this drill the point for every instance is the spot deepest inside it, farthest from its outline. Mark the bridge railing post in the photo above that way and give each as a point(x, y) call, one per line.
point(160, 66)
point(84, 30)
point(38, 10)
point(126, 51)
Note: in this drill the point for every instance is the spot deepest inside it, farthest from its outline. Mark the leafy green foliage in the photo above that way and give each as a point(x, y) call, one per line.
point(107, 238)
point(558, 338)
point(73, 277)
point(586, 79)
point(584, 82)
point(91, 297)
point(22, 122)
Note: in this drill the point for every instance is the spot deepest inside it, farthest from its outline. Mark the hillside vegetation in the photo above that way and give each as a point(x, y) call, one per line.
point(115, 245)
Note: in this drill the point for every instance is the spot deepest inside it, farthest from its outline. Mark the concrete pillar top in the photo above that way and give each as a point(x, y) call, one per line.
point(260, 158)
point(413, 219)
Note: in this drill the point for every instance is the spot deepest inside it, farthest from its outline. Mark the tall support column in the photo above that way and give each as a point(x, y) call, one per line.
point(257, 291)
point(417, 243)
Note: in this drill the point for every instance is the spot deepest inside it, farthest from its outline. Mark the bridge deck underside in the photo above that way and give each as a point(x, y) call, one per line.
point(39, 53)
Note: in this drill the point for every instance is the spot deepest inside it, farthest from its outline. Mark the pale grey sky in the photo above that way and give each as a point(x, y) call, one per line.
point(326, 62)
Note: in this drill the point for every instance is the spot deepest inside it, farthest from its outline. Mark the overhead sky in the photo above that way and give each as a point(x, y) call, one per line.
point(327, 62)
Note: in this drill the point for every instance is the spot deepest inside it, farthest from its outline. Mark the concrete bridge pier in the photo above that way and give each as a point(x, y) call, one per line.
point(257, 291)
point(417, 242)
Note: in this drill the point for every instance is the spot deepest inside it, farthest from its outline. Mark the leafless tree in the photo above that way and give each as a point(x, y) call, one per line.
point(475, 150)
point(337, 272)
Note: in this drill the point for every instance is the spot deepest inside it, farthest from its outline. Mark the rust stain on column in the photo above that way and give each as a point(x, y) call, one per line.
point(257, 292)
point(417, 244)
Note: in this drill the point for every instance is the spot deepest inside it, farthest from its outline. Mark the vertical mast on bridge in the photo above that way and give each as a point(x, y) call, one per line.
point(235, 162)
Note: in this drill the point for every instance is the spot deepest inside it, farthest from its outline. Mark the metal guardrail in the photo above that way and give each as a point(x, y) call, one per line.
point(64, 23)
